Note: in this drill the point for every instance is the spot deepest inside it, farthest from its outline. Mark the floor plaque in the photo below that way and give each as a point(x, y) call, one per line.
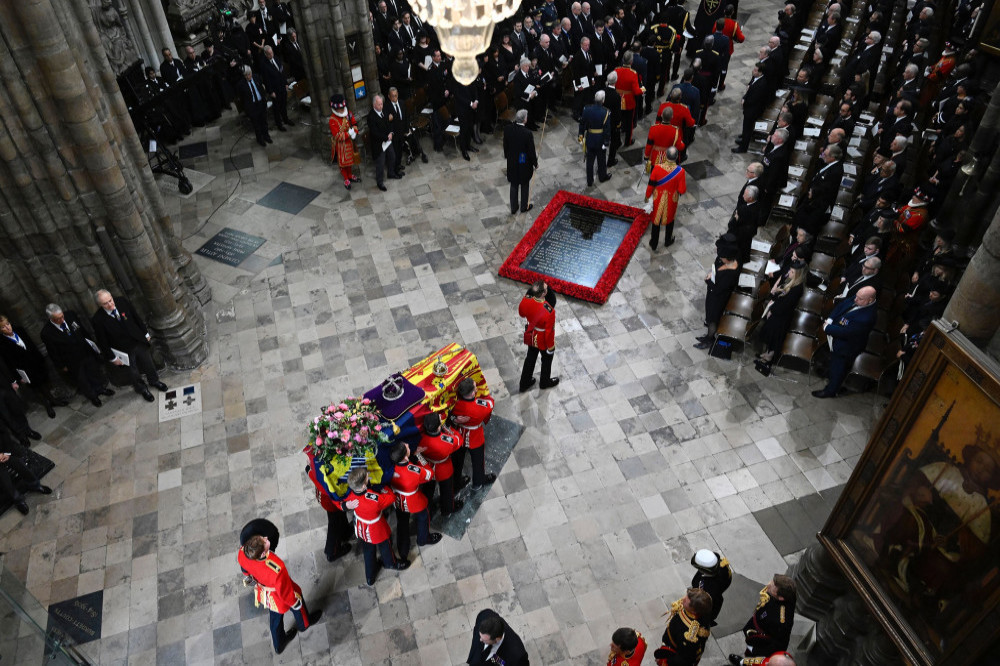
point(79, 619)
point(180, 402)
point(230, 247)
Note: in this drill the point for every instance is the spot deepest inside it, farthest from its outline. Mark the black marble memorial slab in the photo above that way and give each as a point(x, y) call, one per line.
point(578, 245)
point(78, 619)
point(288, 198)
point(501, 436)
point(39, 466)
point(230, 246)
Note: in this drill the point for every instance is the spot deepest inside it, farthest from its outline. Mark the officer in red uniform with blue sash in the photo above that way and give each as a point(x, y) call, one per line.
point(668, 181)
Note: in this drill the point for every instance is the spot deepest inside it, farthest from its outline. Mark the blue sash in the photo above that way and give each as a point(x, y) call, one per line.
point(666, 179)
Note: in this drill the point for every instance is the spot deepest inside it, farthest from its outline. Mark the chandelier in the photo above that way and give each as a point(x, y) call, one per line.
point(465, 28)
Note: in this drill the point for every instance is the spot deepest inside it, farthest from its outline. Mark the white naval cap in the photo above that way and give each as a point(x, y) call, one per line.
point(705, 559)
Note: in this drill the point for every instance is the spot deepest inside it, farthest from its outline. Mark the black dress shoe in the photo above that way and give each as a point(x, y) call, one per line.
point(96, 402)
point(288, 639)
point(159, 386)
point(394, 176)
point(433, 538)
point(281, 128)
point(739, 150)
point(51, 412)
point(704, 344)
point(458, 507)
point(822, 394)
point(108, 392)
point(465, 156)
point(34, 434)
point(268, 139)
point(604, 180)
point(460, 483)
point(423, 157)
point(314, 617)
point(21, 506)
point(735, 659)
point(262, 142)
point(60, 402)
point(339, 552)
point(42, 490)
point(549, 384)
point(147, 396)
point(530, 206)
point(399, 565)
point(488, 479)
point(612, 163)
point(473, 149)
point(383, 187)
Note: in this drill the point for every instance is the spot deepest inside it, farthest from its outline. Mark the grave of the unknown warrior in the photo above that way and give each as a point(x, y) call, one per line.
point(578, 245)
point(230, 246)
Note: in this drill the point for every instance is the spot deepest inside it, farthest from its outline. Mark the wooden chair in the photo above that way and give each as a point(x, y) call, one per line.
point(741, 305)
point(419, 120)
point(799, 350)
point(505, 112)
point(812, 301)
point(805, 323)
point(734, 329)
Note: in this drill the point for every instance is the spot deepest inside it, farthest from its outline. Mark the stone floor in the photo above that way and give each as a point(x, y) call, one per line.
point(646, 451)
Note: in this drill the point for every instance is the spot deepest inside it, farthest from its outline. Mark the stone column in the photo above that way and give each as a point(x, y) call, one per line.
point(71, 166)
point(135, 14)
point(975, 305)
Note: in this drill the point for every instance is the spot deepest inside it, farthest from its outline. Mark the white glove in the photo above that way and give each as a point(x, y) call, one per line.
point(353, 133)
point(649, 206)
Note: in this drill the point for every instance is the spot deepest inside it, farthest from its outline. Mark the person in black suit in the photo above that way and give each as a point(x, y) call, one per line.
point(754, 100)
point(881, 183)
point(811, 213)
point(171, 69)
point(719, 283)
point(293, 55)
point(25, 365)
point(898, 122)
point(380, 127)
point(255, 106)
point(12, 457)
point(438, 92)
point(747, 217)
point(519, 149)
point(849, 324)
point(13, 414)
point(273, 73)
point(494, 642)
point(119, 327)
point(869, 276)
point(584, 71)
point(828, 35)
point(613, 103)
point(69, 347)
point(466, 108)
point(776, 157)
point(403, 136)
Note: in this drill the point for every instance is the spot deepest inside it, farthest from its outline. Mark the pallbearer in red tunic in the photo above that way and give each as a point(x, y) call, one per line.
point(668, 182)
point(662, 136)
point(338, 530)
point(538, 307)
point(629, 89)
point(628, 647)
point(343, 129)
point(437, 444)
point(275, 590)
point(410, 501)
point(469, 415)
point(370, 525)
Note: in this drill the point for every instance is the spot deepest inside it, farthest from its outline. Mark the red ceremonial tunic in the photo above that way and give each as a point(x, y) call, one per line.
point(275, 589)
point(628, 86)
point(682, 115)
point(660, 138)
point(733, 31)
point(470, 415)
point(406, 482)
point(668, 182)
point(632, 660)
point(539, 332)
point(343, 146)
point(369, 523)
point(911, 218)
point(438, 449)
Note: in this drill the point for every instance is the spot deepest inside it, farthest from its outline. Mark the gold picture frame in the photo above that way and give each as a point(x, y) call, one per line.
point(917, 528)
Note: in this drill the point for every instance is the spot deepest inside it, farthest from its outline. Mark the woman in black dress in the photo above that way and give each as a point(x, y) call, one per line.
point(779, 311)
point(719, 283)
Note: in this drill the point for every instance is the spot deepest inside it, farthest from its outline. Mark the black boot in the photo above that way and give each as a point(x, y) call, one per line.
point(668, 237)
point(654, 237)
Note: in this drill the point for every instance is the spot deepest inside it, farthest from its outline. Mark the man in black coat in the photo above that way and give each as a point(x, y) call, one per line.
point(882, 182)
point(13, 414)
point(519, 149)
point(467, 109)
point(745, 221)
point(119, 328)
point(438, 92)
point(811, 213)
point(754, 101)
point(776, 158)
point(613, 103)
point(25, 366)
point(584, 72)
point(69, 347)
point(293, 55)
point(493, 641)
point(863, 60)
point(381, 134)
point(254, 105)
point(273, 73)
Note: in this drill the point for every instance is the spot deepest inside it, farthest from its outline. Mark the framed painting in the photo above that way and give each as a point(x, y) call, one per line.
point(917, 528)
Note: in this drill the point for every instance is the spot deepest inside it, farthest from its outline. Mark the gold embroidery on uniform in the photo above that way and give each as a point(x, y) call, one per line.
point(764, 598)
point(782, 614)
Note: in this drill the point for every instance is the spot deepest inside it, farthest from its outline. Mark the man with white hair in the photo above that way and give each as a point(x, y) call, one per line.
point(255, 105)
point(595, 137)
point(74, 353)
point(863, 60)
point(124, 340)
point(519, 149)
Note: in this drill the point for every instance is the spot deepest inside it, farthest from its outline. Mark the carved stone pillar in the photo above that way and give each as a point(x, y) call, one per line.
point(116, 35)
point(818, 582)
point(79, 209)
point(336, 36)
point(975, 305)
